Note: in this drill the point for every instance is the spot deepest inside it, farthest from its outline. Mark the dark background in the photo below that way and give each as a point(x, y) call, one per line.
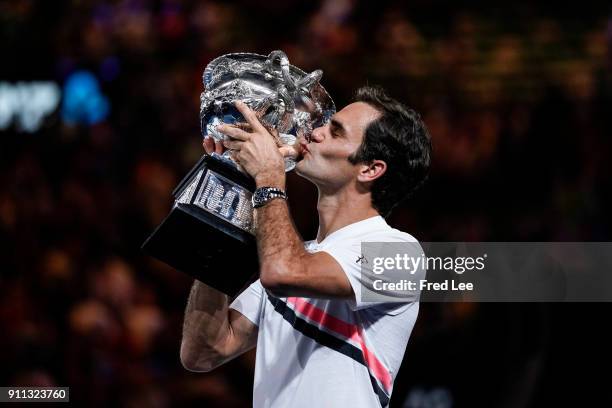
point(517, 98)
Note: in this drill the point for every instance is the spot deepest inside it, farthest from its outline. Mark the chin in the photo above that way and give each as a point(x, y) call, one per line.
point(301, 169)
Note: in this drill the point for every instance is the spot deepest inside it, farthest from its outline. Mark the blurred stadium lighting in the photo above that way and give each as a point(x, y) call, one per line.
point(27, 104)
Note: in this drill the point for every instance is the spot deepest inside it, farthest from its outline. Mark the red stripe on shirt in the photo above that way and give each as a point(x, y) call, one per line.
point(350, 331)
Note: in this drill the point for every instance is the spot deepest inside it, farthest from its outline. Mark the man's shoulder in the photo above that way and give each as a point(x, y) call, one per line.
point(374, 229)
point(400, 236)
point(384, 233)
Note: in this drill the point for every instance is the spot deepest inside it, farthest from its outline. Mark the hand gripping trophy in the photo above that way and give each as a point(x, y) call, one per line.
point(209, 232)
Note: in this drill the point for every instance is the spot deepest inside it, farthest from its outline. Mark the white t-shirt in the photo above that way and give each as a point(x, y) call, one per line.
point(330, 353)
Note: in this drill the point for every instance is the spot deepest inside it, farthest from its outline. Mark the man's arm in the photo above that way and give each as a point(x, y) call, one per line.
point(212, 332)
point(286, 268)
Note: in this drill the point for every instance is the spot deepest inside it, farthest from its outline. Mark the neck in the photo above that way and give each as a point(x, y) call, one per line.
point(340, 209)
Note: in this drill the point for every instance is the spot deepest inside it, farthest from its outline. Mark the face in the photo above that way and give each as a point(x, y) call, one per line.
point(325, 161)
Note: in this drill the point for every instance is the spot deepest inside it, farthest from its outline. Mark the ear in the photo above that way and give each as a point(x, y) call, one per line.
point(371, 171)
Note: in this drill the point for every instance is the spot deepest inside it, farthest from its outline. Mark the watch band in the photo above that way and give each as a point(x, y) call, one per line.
point(264, 195)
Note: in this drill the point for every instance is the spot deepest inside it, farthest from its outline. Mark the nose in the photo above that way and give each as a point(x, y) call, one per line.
point(317, 135)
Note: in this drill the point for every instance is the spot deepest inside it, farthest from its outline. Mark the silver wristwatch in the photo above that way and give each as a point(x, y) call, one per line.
point(263, 195)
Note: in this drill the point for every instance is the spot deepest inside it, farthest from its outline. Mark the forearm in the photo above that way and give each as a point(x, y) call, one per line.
point(280, 248)
point(206, 326)
point(286, 268)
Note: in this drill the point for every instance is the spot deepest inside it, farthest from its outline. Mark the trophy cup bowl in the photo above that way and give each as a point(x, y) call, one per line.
point(209, 232)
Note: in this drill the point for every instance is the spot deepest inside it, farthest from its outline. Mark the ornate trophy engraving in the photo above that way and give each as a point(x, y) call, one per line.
point(209, 232)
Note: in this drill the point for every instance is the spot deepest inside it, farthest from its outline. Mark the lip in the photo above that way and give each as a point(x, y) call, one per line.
point(304, 148)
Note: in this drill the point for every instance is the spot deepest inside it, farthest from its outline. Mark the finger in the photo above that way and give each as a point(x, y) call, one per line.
point(244, 126)
point(290, 151)
point(209, 144)
point(233, 144)
point(219, 149)
point(274, 133)
point(249, 115)
point(234, 132)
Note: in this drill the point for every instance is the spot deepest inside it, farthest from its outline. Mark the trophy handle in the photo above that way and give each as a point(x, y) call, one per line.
point(309, 81)
point(284, 65)
point(285, 97)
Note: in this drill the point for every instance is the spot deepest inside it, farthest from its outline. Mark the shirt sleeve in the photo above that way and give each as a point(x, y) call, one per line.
point(349, 255)
point(249, 302)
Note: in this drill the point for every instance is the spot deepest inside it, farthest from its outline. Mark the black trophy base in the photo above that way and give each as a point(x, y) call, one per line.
point(189, 241)
point(203, 245)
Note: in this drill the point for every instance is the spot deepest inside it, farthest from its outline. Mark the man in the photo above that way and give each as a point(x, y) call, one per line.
point(318, 344)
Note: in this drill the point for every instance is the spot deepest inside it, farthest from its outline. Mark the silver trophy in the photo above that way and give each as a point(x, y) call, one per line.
point(287, 101)
point(213, 202)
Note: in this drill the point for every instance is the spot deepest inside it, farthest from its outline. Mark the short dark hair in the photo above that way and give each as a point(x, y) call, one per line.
point(400, 139)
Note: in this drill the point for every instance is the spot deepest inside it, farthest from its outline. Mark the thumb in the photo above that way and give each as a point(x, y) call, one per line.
point(290, 151)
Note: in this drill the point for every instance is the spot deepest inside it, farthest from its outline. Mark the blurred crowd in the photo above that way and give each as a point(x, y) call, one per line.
point(517, 100)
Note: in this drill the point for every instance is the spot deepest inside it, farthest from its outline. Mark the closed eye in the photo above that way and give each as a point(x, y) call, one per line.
point(336, 128)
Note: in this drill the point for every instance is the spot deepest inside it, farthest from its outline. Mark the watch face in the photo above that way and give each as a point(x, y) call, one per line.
point(260, 195)
point(264, 194)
